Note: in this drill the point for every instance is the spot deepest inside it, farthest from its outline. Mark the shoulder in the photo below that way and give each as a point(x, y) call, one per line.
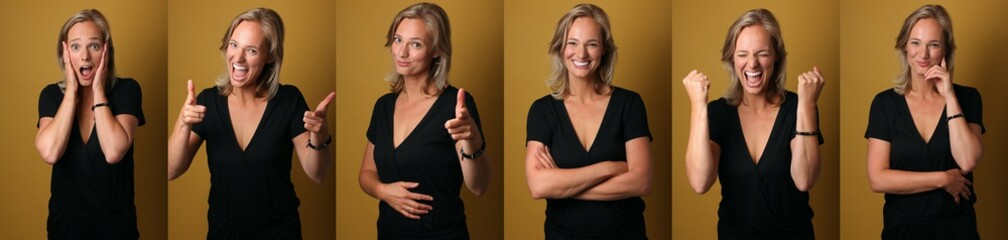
point(543, 103)
point(965, 91)
point(288, 91)
point(51, 90)
point(626, 95)
point(128, 83)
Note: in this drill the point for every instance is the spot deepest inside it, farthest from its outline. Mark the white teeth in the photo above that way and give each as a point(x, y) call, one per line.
point(752, 74)
point(239, 67)
point(580, 63)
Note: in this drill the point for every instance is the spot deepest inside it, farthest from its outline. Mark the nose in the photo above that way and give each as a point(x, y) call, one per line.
point(582, 52)
point(754, 61)
point(401, 51)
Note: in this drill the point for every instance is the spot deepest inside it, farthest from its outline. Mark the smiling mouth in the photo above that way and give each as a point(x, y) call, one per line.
point(239, 71)
point(580, 64)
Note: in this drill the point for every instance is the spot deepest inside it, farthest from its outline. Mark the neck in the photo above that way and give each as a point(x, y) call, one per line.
point(417, 87)
point(243, 95)
point(757, 101)
point(919, 87)
point(582, 89)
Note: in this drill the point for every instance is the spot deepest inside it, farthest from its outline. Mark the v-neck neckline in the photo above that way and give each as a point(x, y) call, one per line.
point(230, 125)
point(770, 137)
point(570, 122)
point(906, 109)
point(423, 120)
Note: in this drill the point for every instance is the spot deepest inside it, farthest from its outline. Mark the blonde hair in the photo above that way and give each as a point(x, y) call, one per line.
point(88, 15)
point(269, 81)
point(766, 19)
point(558, 79)
point(439, 31)
point(901, 84)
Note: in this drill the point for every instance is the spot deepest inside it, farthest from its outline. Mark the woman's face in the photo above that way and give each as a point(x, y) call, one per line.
point(412, 51)
point(582, 51)
point(754, 58)
point(247, 54)
point(926, 46)
point(85, 43)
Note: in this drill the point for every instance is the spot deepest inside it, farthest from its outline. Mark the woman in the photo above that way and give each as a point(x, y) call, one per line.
point(251, 124)
point(425, 137)
point(767, 163)
point(86, 126)
point(924, 137)
point(587, 150)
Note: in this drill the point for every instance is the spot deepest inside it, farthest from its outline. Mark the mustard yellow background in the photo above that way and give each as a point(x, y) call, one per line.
point(869, 63)
point(31, 29)
point(361, 64)
point(810, 35)
point(641, 31)
point(195, 29)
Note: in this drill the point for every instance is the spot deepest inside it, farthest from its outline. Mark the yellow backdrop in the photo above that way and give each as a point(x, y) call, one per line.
point(641, 31)
point(194, 33)
point(361, 64)
point(31, 29)
point(811, 38)
point(868, 65)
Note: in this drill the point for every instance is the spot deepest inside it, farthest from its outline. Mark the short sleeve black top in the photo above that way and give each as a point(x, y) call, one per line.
point(890, 120)
point(83, 183)
point(759, 199)
point(426, 156)
point(252, 188)
point(625, 119)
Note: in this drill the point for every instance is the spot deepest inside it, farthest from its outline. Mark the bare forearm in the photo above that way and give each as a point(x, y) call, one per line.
point(805, 149)
point(905, 182)
point(476, 173)
point(370, 183)
point(630, 184)
point(557, 183)
point(964, 140)
point(701, 165)
point(180, 150)
point(114, 138)
point(52, 138)
point(317, 162)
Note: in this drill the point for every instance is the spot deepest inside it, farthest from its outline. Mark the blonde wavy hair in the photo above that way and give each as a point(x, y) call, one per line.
point(269, 80)
point(901, 84)
point(558, 79)
point(775, 87)
point(88, 15)
point(439, 31)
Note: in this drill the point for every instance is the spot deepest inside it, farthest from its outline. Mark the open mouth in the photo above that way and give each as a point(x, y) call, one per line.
point(87, 72)
point(754, 78)
point(239, 71)
point(580, 64)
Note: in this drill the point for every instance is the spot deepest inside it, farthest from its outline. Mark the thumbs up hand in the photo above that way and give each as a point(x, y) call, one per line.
point(191, 112)
point(462, 127)
point(315, 121)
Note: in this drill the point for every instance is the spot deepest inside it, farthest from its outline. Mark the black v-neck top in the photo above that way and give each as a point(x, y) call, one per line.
point(83, 183)
point(625, 119)
point(759, 199)
point(890, 120)
point(252, 188)
point(426, 156)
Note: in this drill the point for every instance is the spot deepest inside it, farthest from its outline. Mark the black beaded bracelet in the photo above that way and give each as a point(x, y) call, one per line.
point(800, 133)
point(320, 147)
point(98, 105)
point(475, 154)
point(954, 117)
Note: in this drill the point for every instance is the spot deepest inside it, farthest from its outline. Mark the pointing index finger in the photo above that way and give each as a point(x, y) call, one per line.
point(460, 99)
point(325, 102)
